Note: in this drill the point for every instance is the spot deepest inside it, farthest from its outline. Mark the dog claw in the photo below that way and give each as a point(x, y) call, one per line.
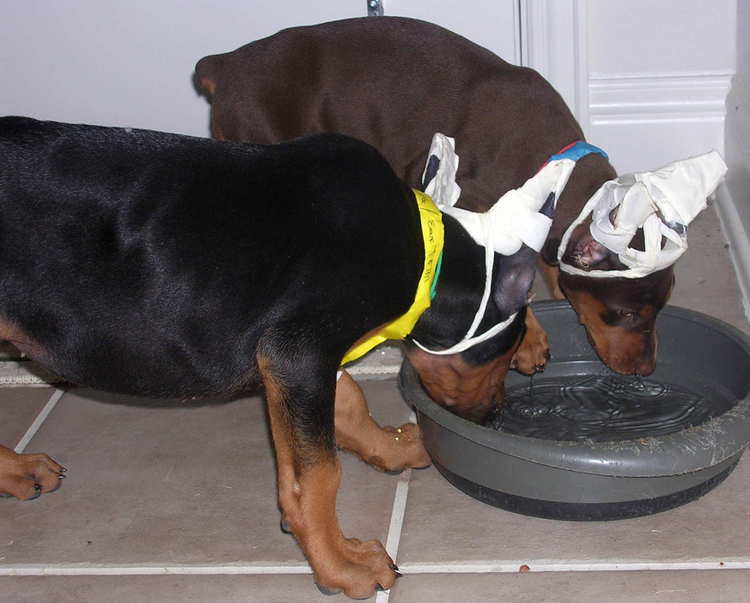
point(284, 526)
point(37, 492)
point(393, 471)
point(327, 591)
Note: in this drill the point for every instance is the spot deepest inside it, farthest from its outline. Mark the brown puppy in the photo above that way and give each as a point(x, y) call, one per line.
point(394, 82)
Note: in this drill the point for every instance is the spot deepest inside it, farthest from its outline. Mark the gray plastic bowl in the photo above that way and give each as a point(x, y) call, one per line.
point(587, 480)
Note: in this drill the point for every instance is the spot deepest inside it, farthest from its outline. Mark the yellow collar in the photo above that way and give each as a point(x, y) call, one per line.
point(432, 235)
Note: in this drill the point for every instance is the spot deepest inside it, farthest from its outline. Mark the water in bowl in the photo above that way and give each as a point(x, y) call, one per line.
point(603, 408)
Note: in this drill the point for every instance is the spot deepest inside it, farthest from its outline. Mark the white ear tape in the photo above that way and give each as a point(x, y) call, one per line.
point(662, 203)
point(512, 221)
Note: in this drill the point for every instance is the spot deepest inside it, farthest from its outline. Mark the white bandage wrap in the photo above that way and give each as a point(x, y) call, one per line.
point(512, 221)
point(662, 203)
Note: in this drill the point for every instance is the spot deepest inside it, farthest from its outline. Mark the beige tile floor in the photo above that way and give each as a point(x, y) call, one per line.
point(178, 504)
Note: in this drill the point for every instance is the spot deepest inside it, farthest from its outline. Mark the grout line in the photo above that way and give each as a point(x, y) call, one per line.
point(397, 519)
point(397, 514)
point(363, 372)
point(500, 567)
point(469, 567)
point(397, 522)
point(37, 423)
point(151, 570)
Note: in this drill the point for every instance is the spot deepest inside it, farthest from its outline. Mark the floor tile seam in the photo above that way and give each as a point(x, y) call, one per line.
point(398, 511)
point(490, 567)
point(77, 569)
point(39, 420)
point(406, 568)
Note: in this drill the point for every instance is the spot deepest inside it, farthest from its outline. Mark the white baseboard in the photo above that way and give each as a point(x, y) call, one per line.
point(658, 96)
point(647, 120)
point(739, 242)
point(732, 196)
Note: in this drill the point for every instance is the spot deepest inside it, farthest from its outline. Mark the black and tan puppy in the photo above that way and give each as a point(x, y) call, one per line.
point(163, 265)
point(394, 82)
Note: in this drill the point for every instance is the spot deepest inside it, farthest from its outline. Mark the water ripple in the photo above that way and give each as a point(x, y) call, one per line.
point(602, 408)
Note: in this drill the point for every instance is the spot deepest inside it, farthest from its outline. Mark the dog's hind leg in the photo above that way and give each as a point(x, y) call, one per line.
point(301, 407)
point(385, 448)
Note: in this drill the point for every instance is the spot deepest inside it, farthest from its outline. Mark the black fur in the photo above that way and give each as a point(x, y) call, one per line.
point(152, 264)
point(460, 291)
point(163, 265)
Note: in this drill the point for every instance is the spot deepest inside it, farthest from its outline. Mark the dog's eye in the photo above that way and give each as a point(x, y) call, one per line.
point(629, 314)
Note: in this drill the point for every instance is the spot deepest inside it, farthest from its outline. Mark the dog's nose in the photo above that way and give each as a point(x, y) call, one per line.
point(644, 369)
point(647, 365)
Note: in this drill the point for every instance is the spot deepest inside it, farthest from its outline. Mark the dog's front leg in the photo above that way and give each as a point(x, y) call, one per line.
point(533, 352)
point(551, 276)
point(385, 448)
point(300, 407)
point(26, 476)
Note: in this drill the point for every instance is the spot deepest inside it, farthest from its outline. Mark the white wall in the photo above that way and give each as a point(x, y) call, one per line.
point(647, 78)
point(130, 63)
point(659, 73)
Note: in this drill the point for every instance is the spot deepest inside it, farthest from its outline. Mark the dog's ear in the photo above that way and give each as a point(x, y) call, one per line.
point(548, 209)
point(433, 163)
point(514, 278)
point(205, 76)
point(585, 252)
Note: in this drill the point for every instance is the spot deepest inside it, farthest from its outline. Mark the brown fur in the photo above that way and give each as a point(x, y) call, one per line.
point(510, 121)
point(307, 488)
point(386, 448)
point(533, 352)
point(25, 476)
point(467, 390)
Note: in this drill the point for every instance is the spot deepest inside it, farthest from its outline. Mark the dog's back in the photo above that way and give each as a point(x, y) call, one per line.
point(393, 82)
point(131, 260)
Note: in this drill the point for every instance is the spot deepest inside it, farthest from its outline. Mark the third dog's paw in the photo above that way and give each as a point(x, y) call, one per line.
point(26, 476)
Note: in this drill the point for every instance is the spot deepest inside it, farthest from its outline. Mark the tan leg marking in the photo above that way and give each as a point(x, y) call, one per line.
point(551, 275)
point(20, 473)
point(386, 448)
point(308, 481)
point(533, 353)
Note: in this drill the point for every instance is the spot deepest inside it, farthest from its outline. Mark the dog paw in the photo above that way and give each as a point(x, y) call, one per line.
point(359, 570)
point(27, 476)
point(400, 448)
point(532, 355)
point(409, 446)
